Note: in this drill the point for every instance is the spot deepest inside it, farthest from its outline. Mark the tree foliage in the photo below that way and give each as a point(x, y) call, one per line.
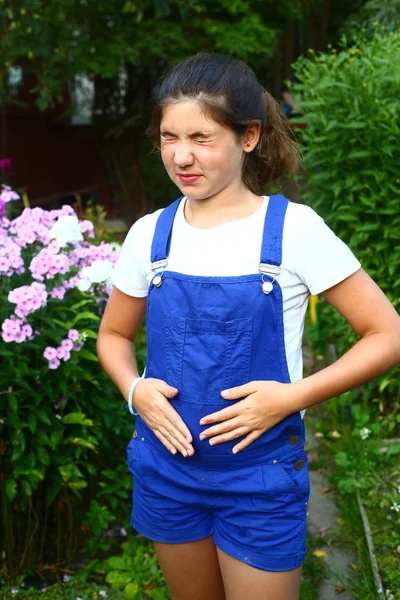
point(374, 14)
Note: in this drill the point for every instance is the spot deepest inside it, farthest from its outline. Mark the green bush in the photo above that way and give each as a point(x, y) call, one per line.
point(351, 104)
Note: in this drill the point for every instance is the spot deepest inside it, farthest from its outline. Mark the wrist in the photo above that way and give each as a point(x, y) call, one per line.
point(132, 389)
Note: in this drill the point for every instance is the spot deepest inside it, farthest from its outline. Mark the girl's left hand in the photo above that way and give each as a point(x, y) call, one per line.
point(264, 404)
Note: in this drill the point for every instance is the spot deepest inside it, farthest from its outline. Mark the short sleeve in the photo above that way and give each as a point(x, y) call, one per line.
point(323, 260)
point(129, 273)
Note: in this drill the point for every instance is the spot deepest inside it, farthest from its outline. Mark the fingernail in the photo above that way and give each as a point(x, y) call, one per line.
point(235, 450)
point(184, 453)
point(173, 450)
point(226, 394)
point(211, 442)
point(202, 436)
point(189, 439)
point(203, 422)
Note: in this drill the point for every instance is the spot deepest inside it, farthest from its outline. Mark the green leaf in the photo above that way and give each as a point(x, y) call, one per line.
point(26, 487)
point(89, 333)
point(43, 417)
point(80, 442)
point(12, 403)
point(31, 421)
point(124, 562)
point(77, 485)
point(11, 489)
point(43, 455)
point(119, 578)
point(70, 471)
point(132, 591)
point(85, 315)
point(88, 355)
point(76, 418)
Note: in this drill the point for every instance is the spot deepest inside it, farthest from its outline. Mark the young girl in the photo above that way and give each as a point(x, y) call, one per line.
point(223, 276)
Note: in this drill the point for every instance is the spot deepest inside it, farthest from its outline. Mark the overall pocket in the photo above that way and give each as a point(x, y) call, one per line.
point(294, 469)
point(206, 356)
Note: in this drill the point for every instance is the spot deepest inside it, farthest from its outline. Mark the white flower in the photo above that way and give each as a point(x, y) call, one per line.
point(395, 507)
point(84, 285)
point(99, 271)
point(66, 230)
point(365, 433)
point(335, 434)
point(115, 247)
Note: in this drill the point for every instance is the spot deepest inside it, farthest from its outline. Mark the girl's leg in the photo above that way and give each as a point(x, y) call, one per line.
point(191, 570)
point(243, 581)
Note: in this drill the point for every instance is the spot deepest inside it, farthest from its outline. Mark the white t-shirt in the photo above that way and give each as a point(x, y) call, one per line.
point(313, 260)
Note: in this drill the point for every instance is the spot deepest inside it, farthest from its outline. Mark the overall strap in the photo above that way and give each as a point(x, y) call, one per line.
point(271, 248)
point(162, 236)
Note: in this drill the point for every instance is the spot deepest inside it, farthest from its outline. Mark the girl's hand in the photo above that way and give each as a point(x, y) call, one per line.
point(264, 404)
point(151, 402)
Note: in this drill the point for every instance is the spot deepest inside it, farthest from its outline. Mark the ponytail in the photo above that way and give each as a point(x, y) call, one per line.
point(277, 153)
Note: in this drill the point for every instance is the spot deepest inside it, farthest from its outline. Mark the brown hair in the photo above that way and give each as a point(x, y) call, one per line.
point(228, 91)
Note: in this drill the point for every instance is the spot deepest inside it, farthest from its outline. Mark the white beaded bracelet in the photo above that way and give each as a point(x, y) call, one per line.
point(132, 389)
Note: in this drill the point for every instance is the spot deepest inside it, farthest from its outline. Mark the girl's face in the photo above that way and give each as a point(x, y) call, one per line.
point(201, 156)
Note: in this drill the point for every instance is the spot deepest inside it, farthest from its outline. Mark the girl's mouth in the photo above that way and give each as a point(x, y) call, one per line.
point(188, 178)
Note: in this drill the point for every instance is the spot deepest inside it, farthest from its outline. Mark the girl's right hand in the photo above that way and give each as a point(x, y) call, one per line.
point(150, 400)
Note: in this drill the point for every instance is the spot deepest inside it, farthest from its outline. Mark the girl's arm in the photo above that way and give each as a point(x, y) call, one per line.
point(119, 327)
point(373, 317)
point(116, 351)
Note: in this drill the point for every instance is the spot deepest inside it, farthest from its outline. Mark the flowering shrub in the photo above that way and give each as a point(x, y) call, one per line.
point(63, 424)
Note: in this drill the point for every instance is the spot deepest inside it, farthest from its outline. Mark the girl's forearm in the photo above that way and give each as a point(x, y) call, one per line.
point(117, 357)
point(373, 355)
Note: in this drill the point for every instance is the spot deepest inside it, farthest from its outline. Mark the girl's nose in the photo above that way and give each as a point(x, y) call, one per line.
point(183, 155)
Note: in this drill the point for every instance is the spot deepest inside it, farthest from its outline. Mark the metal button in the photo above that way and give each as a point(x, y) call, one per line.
point(267, 287)
point(134, 434)
point(299, 464)
point(274, 462)
point(294, 439)
point(157, 281)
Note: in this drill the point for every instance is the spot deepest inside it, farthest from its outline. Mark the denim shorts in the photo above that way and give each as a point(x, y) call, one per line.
point(255, 513)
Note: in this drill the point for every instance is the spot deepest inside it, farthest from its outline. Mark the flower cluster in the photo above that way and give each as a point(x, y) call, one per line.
point(74, 341)
point(365, 433)
point(50, 247)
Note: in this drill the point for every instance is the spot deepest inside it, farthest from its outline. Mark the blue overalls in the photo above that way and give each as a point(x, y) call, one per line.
point(204, 335)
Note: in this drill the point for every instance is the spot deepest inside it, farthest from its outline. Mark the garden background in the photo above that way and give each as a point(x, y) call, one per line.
point(65, 489)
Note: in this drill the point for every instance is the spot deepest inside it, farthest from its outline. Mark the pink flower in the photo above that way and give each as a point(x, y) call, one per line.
point(78, 347)
point(67, 356)
point(67, 344)
point(60, 352)
point(7, 336)
point(4, 264)
point(27, 330)
point(20, 337)
point(73, 335)
point(50, 353)
point(11, 326)
point(54, 363)
point(7, 194)
point(5, 163)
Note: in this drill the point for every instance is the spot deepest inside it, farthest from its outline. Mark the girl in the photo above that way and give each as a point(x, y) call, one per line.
point(221, 476)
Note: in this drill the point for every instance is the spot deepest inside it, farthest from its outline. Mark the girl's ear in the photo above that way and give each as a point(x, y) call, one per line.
point(251, 137)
